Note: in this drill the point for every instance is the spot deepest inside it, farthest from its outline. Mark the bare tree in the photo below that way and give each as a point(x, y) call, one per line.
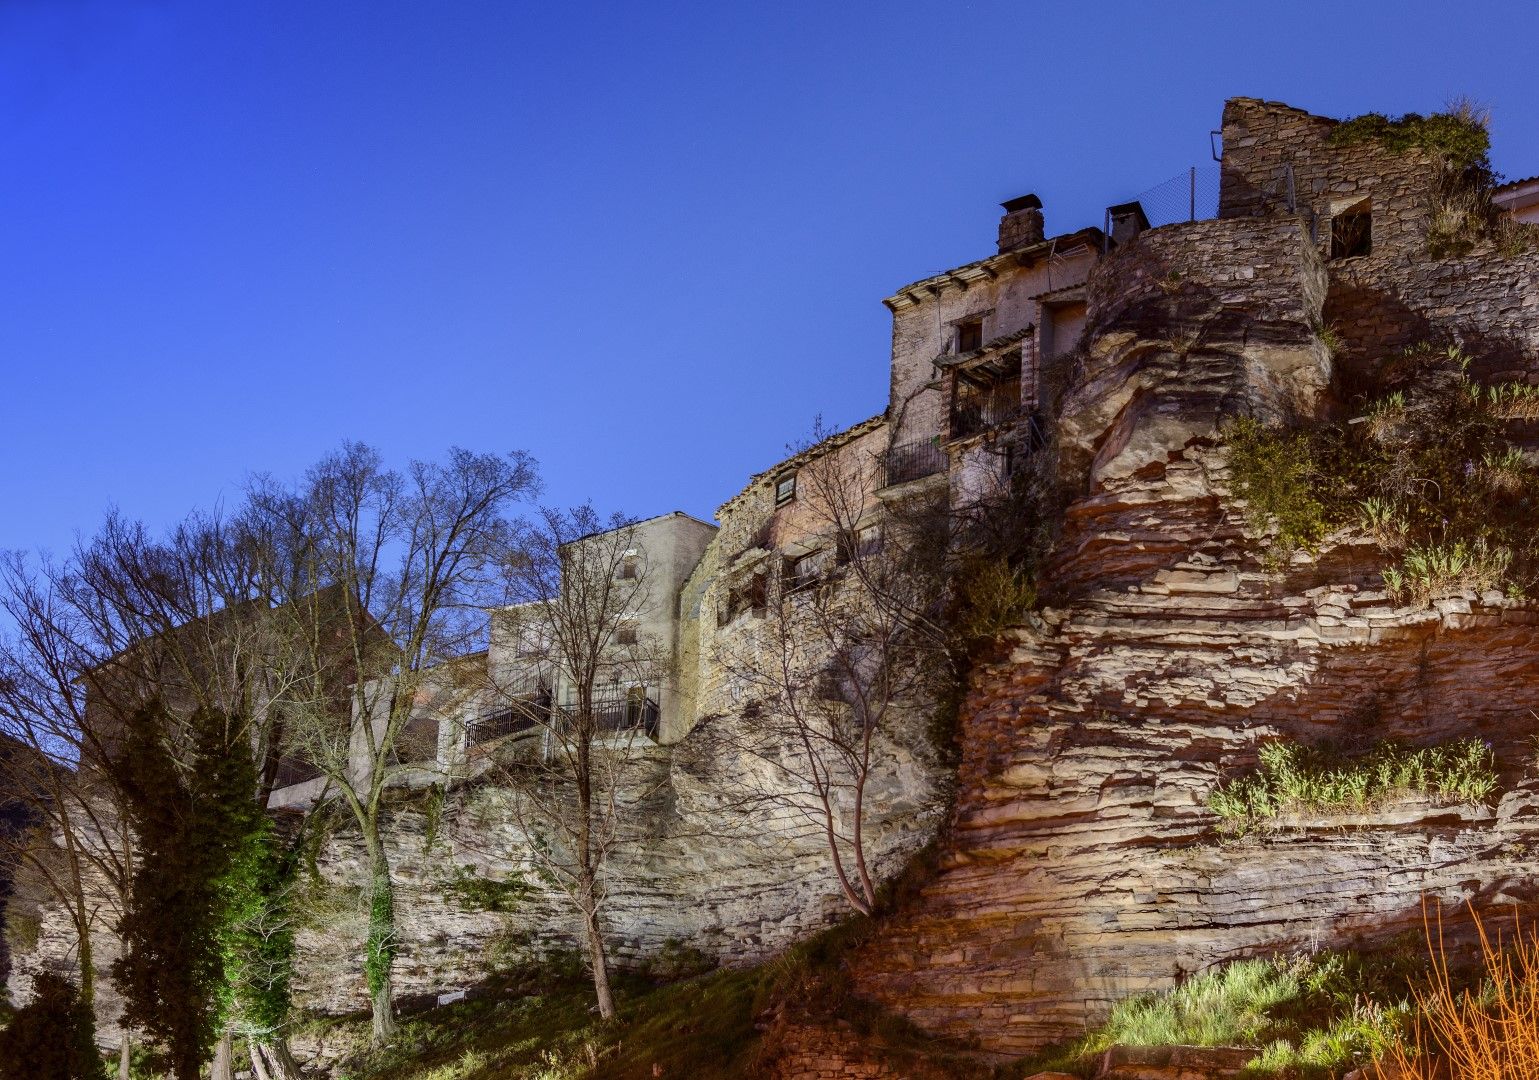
point(582, 679)
point(396, 569)
point(853, 636)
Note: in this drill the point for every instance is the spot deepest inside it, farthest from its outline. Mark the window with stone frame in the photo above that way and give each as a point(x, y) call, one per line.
point(628, 632)
point(1352, 231)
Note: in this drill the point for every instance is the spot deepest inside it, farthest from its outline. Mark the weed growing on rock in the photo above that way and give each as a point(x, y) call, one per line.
point(1426, 470)
point(1292, 778)
point(1457, 137)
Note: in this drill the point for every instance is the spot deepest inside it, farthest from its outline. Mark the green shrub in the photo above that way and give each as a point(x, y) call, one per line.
point(1426, 470)
point(1277, 474)
point(1293, 778)
point(1458, 137)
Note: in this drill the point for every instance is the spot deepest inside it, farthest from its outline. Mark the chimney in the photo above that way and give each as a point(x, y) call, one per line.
point(1022, 223)
point(1127, 221)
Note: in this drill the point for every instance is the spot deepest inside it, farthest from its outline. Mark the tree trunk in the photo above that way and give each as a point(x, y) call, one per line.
point(258, 1061)
point(280, 1060)
point(379, 953)
point(125, 1057)
point(599, 962)
point(223, 1068)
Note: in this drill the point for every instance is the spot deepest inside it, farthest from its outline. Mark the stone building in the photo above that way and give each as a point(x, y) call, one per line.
point(1075, 869)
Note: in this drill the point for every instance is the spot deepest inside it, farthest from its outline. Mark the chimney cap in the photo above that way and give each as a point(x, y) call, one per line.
point(1022, 202)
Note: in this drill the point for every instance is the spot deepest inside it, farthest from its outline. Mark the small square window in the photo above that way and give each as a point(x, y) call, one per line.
point(630, 568)
point(969, 335)
point(628, 632)
point(1352, 232)
point(785, 488)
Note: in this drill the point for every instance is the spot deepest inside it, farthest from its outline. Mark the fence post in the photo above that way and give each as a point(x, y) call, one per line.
point(1192, 203)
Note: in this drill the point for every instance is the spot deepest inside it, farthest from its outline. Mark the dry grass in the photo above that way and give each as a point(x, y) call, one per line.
point(1487, 1033)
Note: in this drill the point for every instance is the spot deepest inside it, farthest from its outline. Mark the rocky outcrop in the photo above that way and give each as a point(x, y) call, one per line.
point(1081, 865)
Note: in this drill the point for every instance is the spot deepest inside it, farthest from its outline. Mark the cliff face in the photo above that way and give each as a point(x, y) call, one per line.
point(1081, 864)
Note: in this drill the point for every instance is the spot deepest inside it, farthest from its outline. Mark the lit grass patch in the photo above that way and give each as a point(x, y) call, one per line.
point(1292, 778)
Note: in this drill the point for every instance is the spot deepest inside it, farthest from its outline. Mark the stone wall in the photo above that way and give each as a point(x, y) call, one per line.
point(1263, 139)
point(1189, 325)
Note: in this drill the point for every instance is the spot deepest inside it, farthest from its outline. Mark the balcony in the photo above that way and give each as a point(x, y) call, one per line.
point(523, 715)
point(629, 712)
point(976, 409)
point(913, 461)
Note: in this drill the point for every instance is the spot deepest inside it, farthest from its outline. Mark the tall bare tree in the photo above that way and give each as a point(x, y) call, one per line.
point(853, 636)
point(584, 680)
point(393, 571)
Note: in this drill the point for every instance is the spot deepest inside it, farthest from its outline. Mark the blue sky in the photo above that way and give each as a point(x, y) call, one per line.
point(646, 243)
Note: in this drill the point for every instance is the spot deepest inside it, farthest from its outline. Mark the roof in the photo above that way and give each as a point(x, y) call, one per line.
point(640, 522)
point(801, 457)
point(963, 277)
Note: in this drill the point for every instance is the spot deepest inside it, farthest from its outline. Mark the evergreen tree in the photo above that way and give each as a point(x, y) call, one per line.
point(52, 1038)
point(189, 788)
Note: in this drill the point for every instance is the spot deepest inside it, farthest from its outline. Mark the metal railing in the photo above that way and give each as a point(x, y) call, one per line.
point(978, 409)
point(521, 716)
point(913, 461)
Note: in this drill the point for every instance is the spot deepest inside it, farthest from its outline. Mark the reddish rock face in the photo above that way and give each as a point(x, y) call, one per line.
point(1081, 864)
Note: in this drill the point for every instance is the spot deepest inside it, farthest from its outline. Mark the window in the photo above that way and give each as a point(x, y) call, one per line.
point(969, 335)
point(864, 543)
point(630, 568)
point(627, 632)
point(785, 488)
point(806, 569)
point(1352, 232)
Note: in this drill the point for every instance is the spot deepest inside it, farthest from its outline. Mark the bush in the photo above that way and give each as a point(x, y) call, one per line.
point(1277, 474)
point(53, 1038)
point(1486, 1032)
point(1292, 778)
point(1458, 137)
point(1426, 470)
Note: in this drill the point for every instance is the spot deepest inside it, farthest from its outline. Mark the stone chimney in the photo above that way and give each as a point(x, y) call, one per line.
point(1127, 221)
point(1022, 223)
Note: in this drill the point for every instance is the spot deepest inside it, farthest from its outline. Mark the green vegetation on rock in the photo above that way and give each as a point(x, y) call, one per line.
point(1292, 778)
point(1458, 137)
point(1426, 470)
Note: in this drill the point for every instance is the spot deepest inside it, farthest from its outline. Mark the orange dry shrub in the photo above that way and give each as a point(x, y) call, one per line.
point(1490, 1032)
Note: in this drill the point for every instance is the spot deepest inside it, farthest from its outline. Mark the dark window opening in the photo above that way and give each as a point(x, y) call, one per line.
point(627, 633)
point(1352, 233)
point(630, 568)
point(969, 335)
point(748, 596)
point(785, 488)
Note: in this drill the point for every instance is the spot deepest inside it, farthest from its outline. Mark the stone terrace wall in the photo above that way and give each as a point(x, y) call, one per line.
point(1485, 302)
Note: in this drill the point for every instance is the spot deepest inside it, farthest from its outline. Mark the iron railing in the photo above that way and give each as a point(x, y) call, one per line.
point(627, 713)
point(523, 715)
point(913, 461)
point(978, 409)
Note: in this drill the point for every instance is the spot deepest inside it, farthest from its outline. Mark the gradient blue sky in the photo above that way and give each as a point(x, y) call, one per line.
point(647, 243)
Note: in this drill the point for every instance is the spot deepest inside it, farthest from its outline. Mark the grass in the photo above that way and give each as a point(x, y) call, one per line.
point(1457, 136)
point(1310, 1016)
point(543, 1028)
point(538, 1024)
point(1292, 778)
point(1426, 471)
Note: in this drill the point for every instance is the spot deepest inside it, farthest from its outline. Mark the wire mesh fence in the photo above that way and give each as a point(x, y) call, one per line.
point(1188, 196)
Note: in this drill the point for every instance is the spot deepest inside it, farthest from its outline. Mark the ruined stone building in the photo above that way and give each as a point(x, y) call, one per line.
point(1078, 864)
